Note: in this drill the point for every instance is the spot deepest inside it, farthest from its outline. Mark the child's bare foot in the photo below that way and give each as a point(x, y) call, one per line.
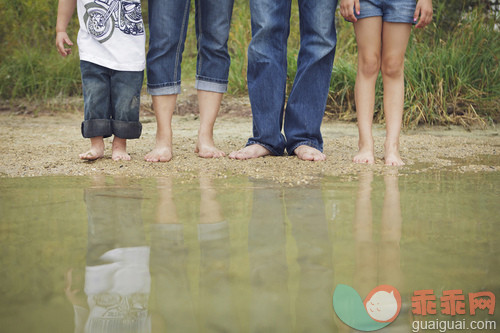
point(249, 152)
point(161, 153)
point(96, 150)
point(391, 155)
point(119, 150)
point(307, 153)
point(365, 154)
point(205, 148)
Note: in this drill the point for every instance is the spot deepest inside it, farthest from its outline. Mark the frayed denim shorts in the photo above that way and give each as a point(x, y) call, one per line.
point(396, 11)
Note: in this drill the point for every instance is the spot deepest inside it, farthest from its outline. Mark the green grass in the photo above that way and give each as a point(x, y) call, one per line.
point(451, 71)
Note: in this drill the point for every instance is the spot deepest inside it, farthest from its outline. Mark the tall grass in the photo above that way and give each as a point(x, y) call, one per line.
point(454, 77)
point(452, 74)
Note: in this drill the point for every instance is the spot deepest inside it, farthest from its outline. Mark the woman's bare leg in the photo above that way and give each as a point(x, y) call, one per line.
point(164, 107)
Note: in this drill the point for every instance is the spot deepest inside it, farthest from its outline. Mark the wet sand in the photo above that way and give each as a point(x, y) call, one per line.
point(49, 144)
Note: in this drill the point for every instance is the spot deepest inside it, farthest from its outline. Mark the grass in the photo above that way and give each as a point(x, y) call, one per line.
point(452, 75)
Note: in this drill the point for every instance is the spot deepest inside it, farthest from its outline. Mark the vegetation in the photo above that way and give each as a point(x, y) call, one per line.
point(452, 67)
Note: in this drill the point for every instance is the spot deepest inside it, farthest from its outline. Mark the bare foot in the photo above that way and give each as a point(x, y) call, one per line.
point(251, 151)
point(365, 153)
point(207, 149)
point(159, 154)
point(96, 150)
point(307, 153)
point(119, 150)
point(364, 156)
point(391, 155)
point(92, 155)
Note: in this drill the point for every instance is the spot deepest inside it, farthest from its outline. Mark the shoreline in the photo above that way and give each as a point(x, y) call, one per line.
point(49, 144)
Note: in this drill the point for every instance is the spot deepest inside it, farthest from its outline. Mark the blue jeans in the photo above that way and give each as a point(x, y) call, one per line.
point(111, 101)
point(168, 22)
point(267, 72)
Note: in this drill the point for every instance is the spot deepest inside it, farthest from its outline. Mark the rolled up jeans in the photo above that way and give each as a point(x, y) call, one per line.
point(168, 21)
point(111, 101)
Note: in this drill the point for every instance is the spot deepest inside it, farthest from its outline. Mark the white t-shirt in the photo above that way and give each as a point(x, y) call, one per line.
point(112, 34)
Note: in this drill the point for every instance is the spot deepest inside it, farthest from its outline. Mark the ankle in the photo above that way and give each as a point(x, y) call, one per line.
point(391, 144)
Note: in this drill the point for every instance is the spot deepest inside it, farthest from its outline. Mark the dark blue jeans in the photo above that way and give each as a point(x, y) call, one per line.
point(168, 21)
point(111, 102)
point(267, 72)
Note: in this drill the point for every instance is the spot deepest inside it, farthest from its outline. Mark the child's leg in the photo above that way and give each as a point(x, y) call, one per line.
point(164, 107)
point(97, 108)
point(119, 149)
point(125, 101)
point(96, 149)
point(394, 39)
point(209, 104)
point(368, 38)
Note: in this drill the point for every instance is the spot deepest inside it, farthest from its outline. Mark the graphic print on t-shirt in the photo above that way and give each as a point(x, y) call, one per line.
point(102, 16)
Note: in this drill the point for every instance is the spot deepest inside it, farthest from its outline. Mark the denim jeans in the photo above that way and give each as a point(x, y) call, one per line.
point(168, 21)
point(267, 73)
point(111, 101)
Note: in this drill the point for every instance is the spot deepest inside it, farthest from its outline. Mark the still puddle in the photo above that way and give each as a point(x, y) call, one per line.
point(241, 255)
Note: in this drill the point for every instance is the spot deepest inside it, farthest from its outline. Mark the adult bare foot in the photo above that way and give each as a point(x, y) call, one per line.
point(96, 150)
point(249, 152)
point(307, 153)
point(391, 155)
point(119, 150)
point(159, 154)
point(206, 148)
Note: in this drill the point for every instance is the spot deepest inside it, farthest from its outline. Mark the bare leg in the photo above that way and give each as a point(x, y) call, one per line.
point(119, 149)
point(249, 152)
point(368, 37)
point(164, 107)
point(307, 153)
point(209, 104)
point(96, 149)
point(395, 39)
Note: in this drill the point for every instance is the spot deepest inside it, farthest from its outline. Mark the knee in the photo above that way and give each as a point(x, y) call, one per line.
point(392, 67)
point(369, 66)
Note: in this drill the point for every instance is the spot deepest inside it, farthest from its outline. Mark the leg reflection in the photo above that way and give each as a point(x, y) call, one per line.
point(305, 209)
point(172, 298)
point(117, 279)
point(270, 303)
point(378, 261)
point(215, 286)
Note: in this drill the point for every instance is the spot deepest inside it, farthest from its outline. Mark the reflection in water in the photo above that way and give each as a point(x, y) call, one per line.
point(268, 260)
point(117, 279)
point(174, 299)
point(378, 261)
point(270, 300)
point(237, 255)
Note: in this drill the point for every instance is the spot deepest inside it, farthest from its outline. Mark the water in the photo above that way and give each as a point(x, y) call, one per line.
point(239, 254)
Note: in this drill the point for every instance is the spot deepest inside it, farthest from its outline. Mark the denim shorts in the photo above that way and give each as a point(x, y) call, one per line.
point(396, 11)
point(111, 101)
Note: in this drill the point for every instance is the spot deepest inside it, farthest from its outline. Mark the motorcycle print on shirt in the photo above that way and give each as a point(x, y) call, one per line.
point(103, 16)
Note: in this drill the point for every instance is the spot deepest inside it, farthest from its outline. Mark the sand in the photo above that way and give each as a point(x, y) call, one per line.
point(49, 144)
